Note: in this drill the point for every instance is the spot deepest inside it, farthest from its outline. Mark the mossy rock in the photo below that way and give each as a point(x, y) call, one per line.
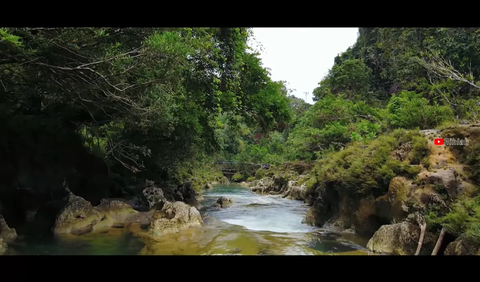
point(237, 177)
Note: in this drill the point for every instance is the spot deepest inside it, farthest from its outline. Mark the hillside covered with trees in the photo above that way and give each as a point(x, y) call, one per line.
point(378, 94)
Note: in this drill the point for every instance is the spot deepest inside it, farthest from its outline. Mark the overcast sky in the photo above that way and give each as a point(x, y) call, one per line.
point(302, 56)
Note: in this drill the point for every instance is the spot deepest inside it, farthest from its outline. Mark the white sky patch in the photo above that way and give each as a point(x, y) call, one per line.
point(301, 56)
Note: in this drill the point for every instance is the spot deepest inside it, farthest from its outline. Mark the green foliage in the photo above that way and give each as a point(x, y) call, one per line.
point(6, 37)
point(473, 161)
point(260, 173)
point(419, 151)
point(463, 218)
point(164, 103)
point(330, 125)
point(351, 77)
point(469, 109)
point(147, 101)
point(363, 169)
point(410, 110)
point(310, 183)
point(237, 177)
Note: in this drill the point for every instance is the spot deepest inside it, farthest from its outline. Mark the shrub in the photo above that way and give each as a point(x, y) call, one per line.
point(237, 177)
point(362, 168)
point(411, 110)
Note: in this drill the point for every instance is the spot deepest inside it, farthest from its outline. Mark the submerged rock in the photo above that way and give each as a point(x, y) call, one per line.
point(3, 246)
point(223, 202)
point(400, 239)
point(174, 217)
point(461, 247)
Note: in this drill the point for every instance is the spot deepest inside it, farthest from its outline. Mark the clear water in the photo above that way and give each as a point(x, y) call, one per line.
point(253, 224)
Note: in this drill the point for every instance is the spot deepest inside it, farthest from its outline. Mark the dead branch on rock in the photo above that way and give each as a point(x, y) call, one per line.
point(420, 220)
point(439, 241)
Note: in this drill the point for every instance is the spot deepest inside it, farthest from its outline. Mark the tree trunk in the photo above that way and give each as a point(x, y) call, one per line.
point(439, 241)
point(423, 227)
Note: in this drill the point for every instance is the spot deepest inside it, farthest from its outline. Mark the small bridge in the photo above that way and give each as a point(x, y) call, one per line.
point(229, 168)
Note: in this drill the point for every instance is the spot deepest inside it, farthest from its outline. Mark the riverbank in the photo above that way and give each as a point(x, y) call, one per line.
point(393, 190)
point(335, 197)
point(251, 225)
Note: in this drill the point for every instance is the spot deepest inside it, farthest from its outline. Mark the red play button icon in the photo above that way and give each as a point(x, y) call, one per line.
point(438, 141)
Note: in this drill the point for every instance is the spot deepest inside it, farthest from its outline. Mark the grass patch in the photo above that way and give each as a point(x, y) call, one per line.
point(361, 169)
point(237, 177)
point(419, 150)
point(463, 218)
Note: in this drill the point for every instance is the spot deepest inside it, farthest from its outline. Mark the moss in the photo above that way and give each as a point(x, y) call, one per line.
point(401, 193)
point(419, 150)
point(440, 189)
point(418, 181)
point(237, 177)
point(446, 124)
point(251, 178)
point(426, 162)
point(464, 218)
point(302, 180)
point(260, 173)
point(363, 169)
point(310, 183)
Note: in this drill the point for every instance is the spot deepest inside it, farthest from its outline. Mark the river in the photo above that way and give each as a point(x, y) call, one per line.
point(253, 224)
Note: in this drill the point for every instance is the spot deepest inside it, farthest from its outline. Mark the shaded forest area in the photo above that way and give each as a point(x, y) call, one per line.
point(101, 110)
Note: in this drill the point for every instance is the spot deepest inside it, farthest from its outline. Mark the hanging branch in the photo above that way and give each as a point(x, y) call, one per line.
point(443, 68)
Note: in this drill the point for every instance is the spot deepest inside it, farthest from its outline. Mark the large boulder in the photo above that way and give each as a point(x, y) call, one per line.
point(461, 247)
point(263, 185)
point(174, 217)
point(223, 202)
point(295, 192)
point(154, 196)
point(6, 233)
point(366, 214)
point(186, 193)
point(445, 177)
point(400, 239)
point(79, 217)
point(117, 210)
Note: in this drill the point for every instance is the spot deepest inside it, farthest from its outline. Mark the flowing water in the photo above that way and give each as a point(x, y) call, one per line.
point(253, 224)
